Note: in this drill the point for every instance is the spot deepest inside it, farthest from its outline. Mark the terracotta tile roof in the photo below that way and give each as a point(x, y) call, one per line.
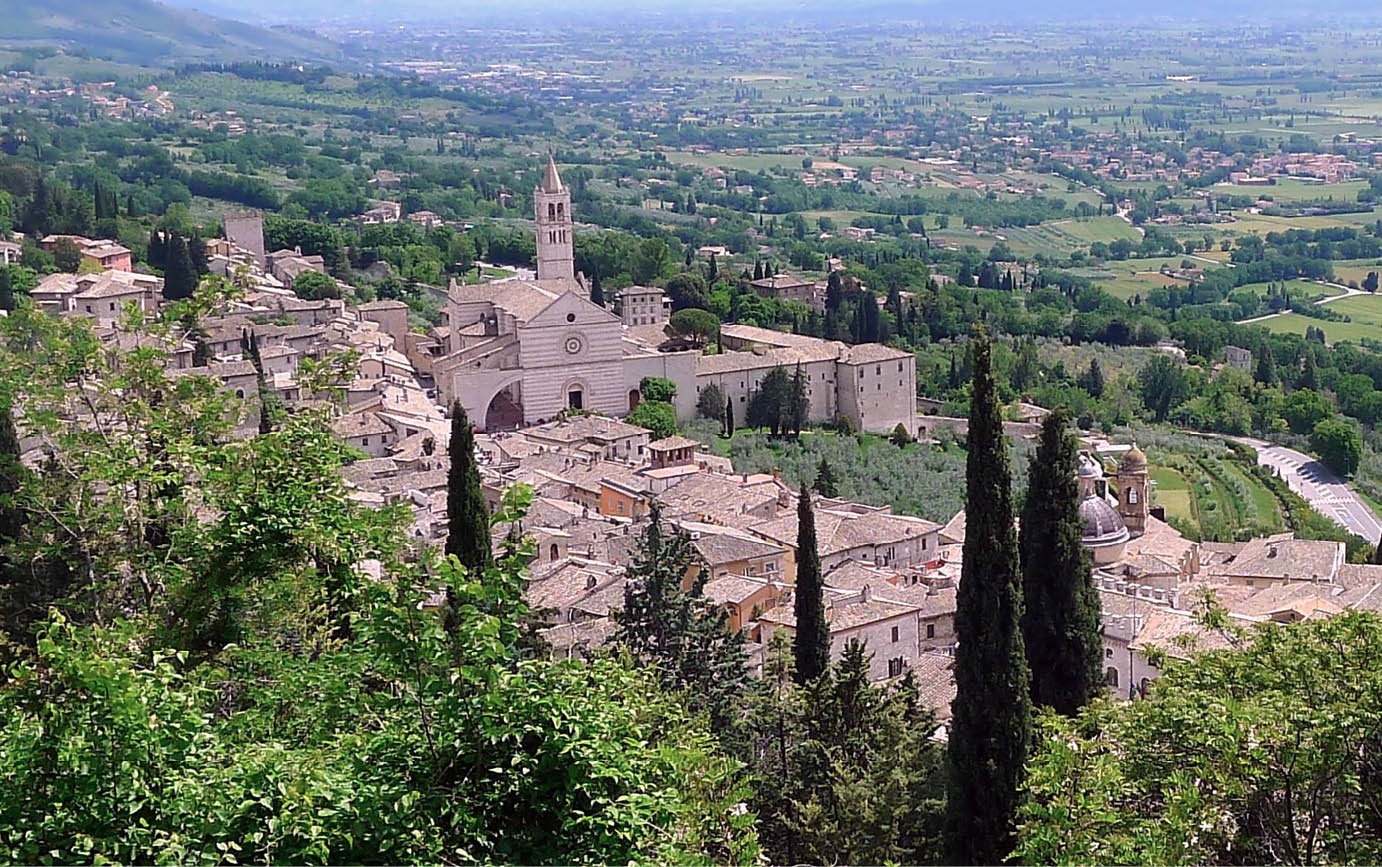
point(870, 353)
point(1282, 557)
point(935, 678)
point(837, 532)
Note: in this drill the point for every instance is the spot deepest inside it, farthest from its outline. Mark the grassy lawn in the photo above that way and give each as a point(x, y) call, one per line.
point(1298, 289)
point(1355, 270)
point(1267, 511)
point(1173, 493)
point(1365, 311)
point(1093, 229)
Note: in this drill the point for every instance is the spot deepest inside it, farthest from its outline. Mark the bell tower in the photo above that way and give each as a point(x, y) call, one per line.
point(1132, 491)
point(556, 258)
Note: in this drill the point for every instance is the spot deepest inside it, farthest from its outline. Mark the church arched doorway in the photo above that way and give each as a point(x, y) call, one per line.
point(505, 411)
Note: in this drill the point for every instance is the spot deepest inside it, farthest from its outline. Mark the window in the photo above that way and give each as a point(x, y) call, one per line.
point(930, 630)
point(878, 369)
point(1111, 676)
point(1108, 653)
point(363, 442)
point(551, 211)
point(561, 206)
point(895, 667)
point(621, 507)
point(1132, 496)
point(552, 552)
point(899, 367)
point(894, 635)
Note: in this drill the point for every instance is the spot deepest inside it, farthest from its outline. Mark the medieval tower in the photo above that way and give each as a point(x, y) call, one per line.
point(1132, 491)
point(552, 203)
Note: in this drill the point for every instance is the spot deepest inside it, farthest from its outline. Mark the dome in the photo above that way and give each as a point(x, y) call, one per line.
point(1089, 467)
point(1134, 460)
point(1100, 523)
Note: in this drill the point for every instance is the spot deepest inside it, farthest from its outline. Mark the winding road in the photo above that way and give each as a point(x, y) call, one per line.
point(1349, 292)
point(1322, 489)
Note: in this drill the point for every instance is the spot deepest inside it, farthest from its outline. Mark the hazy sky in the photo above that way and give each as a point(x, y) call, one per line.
point(521, 11)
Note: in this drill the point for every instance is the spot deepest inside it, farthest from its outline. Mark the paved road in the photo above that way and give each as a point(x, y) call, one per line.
point(1349, 292)
point(1322, 489)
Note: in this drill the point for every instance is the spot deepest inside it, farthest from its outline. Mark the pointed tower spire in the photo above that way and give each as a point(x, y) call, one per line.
point(551, 181)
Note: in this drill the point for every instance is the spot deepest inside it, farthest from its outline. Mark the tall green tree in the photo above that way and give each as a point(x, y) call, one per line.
point(680, 632)
point(811, 642)
point(179, 274)
point(991, 712)
point(1060, 611)
point(468, 536)
point(1264, 753)
point(826, 485)
point(1265, 372)
point(6, 290)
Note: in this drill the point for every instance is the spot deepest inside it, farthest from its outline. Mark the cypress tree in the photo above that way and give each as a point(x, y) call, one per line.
point(811, 644)
point(179, 275)
point(1309, 377)
point(467, 512)
point(11, 477)
point(729, 417)
point(1060, 612)
point(1266, 367)
point(826, 484)
point(991, 713)
point(158, 250)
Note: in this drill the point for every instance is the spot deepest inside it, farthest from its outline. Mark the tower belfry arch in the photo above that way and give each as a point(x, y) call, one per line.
point(556, 259)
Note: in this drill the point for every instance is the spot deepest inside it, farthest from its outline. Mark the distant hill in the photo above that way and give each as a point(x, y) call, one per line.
point(150, 33)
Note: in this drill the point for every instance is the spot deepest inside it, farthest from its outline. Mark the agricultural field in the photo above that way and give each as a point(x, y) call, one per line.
point(1124, 278)
point(1209, 495)
point(1364, 312)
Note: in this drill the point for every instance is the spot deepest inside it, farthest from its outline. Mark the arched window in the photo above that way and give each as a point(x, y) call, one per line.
point(552, 552)
point(551, 211)
point(1111, 676)
point(1132, 496)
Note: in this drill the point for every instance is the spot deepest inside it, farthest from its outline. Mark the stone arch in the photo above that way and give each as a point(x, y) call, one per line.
point(634, 397)
point(553, 553)
point(1111, 676)
point(503, 409)
point(576, 394)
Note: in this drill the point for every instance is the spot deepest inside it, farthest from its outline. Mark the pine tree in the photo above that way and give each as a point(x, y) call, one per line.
point(826, 485)
point(681, 633)
point(467, 512)
point(1060, 612)
point(811, 643)
point(991, 712)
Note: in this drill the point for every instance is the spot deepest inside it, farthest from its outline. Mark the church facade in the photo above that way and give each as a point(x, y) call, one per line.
point(518, 352)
